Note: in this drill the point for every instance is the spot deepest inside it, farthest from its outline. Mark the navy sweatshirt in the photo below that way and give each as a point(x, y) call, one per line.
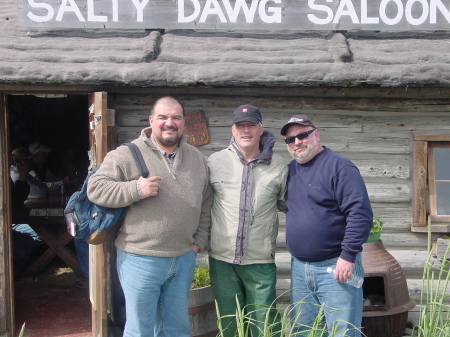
point(329, 212)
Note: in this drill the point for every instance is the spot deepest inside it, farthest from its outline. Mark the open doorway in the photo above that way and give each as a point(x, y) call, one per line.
point(51, 296)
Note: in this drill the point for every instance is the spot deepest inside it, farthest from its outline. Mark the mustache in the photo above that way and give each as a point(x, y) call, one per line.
point(165, 128)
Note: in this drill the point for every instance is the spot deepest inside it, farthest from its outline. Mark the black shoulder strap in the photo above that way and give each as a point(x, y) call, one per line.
point(137, 155)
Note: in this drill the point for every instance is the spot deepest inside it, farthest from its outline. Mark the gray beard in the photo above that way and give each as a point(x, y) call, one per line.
point(299, 157)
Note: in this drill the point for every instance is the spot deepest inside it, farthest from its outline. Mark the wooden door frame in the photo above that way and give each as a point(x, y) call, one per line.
point(98, 271)
point(6, 279)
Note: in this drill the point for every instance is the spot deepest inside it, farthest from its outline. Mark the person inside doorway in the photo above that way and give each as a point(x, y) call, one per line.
point(82, 251)
point(25, 239)
point(42, 167)
point(22, 161)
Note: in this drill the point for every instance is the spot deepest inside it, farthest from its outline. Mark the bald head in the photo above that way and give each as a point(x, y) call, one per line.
point(167, 101)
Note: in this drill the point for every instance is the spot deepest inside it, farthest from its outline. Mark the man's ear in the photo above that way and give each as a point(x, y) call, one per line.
point(317, 134)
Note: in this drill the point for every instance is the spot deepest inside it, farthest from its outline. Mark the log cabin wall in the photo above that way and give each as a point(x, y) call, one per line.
point(370, 128)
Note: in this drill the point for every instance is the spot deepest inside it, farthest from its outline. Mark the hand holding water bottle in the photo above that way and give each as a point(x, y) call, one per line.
point(354, 280)
point(343, 271)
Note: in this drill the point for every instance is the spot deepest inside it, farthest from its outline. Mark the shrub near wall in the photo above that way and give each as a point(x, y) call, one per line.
point(202, 307)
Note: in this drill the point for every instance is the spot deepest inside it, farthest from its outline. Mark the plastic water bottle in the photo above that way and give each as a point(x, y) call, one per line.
point(355, 281)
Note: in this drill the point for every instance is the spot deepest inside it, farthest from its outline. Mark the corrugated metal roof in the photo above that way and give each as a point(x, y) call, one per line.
point(218, 58)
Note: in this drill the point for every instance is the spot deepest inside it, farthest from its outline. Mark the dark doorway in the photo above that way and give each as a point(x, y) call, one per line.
point(58, 122)
point(51, 302)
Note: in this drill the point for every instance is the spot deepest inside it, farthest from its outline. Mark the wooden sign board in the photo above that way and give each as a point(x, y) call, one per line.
point(270, 15)
point(196, 129)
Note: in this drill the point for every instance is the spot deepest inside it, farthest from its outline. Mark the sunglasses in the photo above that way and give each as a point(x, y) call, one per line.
point(300, 136)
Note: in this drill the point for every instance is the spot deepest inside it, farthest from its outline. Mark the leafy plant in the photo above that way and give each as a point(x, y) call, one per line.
point(377, 225)
point(434, 317)
point(201, 277)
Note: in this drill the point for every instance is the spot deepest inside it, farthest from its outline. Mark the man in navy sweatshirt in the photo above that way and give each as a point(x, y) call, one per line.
point(328, 219)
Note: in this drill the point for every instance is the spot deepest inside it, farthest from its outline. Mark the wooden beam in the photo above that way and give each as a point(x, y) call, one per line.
point(419, 183)
point(425, 94)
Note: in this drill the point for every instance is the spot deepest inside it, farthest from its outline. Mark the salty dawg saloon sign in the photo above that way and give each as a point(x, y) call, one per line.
point(238, 14)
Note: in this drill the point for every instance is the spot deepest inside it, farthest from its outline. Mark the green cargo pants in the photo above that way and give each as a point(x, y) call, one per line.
point(254, 287)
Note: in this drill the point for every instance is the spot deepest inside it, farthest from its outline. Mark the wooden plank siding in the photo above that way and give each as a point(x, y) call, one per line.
point(376, 134)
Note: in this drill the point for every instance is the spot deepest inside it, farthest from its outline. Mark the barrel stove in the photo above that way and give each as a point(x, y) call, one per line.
point(386, 297)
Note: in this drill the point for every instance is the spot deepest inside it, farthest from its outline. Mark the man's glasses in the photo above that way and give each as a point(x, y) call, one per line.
point(300, 136)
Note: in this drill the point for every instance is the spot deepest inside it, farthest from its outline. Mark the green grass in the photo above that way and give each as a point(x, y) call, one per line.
point(285, 328)
point(22, 330)
point(434, 317)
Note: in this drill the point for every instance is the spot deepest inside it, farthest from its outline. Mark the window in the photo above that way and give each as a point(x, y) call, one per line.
point(431, 183)
point(439, 180)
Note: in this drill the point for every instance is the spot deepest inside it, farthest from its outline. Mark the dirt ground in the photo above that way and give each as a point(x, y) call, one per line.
point(50, 305)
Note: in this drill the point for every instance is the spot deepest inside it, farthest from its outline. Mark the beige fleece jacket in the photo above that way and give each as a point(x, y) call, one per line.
point(168, 224)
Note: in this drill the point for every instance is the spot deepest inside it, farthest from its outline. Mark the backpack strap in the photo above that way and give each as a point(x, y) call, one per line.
point(137, 155)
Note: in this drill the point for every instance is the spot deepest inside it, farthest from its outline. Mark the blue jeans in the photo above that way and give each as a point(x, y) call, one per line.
point(312, 287)
point(27, 230)
point(156, 293)
point(23, 246)
point(82, 250)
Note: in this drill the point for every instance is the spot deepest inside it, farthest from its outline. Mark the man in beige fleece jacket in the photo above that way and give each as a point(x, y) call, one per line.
point(167, 222)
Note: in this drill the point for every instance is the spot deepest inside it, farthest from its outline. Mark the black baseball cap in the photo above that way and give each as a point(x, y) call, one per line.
point(297, 119)
point(247, 113)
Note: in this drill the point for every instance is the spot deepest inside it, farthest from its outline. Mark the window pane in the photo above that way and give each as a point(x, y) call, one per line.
point(443, 198)
point(442, 163)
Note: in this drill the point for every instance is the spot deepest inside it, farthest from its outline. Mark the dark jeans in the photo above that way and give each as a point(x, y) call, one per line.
point(23, 245)
point(82, 249)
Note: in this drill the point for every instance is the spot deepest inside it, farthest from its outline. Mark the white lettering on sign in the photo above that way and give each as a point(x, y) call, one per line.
point(140, 9)
point(267, 14)
point(91, 15)
point(115, 10)
point(391, 12)
point(387, 20)
point(364, 11)
point(66, 8)
point(324, 8)
point(37, 18)
point(422, 18)
point(346, 8)
point(434, 4)
point(276, 12)
point(212, 7)
point(238, 14)
point(70, 6)
point(181, 11)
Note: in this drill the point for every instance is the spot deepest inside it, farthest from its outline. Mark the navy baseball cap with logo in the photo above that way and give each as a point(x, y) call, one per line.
point(247, 113)
point(297, 119)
